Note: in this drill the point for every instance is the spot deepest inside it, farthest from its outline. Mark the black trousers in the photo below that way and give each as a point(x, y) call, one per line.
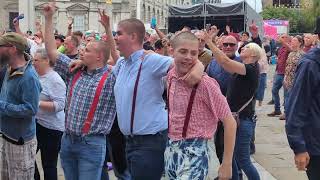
point(116, 145)
point(49, 145)
point(313, 169)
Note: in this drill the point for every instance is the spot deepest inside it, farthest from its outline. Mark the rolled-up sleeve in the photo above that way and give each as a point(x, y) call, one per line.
point(58, 95)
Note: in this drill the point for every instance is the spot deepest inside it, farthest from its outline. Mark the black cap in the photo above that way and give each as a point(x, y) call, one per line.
point(317, 31)
point(59, 36)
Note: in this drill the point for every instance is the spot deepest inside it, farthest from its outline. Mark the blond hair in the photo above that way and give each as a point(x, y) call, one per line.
point(256, 50)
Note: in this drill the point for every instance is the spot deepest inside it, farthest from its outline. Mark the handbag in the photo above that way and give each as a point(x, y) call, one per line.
point(236, 114)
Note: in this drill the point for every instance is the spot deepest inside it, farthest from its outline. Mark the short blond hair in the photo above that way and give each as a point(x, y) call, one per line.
point(256, 49)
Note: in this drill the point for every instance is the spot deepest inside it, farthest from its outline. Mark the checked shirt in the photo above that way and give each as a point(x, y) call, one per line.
point(82, 97)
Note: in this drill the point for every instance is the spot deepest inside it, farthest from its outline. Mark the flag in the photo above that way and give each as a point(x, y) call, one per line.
point(109, 1)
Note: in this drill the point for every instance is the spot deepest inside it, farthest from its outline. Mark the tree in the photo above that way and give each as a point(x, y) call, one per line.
point(283, 13)
point(301, 19)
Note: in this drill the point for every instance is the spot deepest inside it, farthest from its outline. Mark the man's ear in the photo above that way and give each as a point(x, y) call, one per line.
point(134, 36)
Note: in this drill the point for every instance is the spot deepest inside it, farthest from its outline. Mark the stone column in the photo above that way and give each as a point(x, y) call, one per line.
point(27, 8)
point(62, 21)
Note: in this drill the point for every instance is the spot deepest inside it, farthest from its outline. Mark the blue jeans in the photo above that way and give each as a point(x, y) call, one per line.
point(145, 155)
point(261, 87)
point(286, 96)
point(277, 84)
point(82, 157)
point(242, 148)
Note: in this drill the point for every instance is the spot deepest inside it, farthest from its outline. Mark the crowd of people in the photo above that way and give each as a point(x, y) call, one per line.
point(159, 105)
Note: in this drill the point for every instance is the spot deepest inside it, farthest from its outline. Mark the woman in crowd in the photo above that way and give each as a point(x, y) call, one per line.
point(291, 64)
point(242, 87)
point(263, 67)
point(50, 117)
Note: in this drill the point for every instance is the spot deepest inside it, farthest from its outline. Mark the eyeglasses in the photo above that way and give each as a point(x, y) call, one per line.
point(228, 44)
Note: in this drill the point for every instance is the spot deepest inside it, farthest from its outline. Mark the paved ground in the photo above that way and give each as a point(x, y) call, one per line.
point(273, 157)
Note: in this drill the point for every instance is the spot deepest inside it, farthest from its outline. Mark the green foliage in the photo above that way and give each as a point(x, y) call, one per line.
point(300, 19)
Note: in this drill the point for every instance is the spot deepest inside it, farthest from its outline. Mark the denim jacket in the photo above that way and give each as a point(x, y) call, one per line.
point(19, 100)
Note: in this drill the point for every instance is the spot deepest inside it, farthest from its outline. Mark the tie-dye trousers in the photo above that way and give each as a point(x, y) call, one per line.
point(186, 159)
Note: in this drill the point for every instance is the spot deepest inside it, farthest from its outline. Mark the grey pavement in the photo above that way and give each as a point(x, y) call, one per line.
point(273, 157)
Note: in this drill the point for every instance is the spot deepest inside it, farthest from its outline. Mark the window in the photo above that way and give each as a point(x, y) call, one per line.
point(78, 24)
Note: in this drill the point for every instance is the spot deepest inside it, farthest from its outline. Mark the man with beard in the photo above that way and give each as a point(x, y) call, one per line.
point(19, 100)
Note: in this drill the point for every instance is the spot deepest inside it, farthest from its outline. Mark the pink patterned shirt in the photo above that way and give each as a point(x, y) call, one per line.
point(209, 106)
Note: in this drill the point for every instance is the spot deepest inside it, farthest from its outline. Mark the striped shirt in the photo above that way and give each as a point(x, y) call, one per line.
point(82, 97)
point(208, 108)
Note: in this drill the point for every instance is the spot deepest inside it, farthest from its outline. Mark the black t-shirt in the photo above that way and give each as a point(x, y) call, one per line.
point(241, 88)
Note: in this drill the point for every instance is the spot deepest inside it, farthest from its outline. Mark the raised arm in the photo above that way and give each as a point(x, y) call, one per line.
point(227, 64)
point(17, 26)
point(70, 22)
point(49, 41)
point(105, 22)
point(160, 33)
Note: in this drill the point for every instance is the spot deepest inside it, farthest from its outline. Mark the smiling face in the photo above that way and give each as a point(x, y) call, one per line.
point(185, 56)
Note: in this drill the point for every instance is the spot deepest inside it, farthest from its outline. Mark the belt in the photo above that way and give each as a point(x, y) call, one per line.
point(20, 141)
point(146, 135)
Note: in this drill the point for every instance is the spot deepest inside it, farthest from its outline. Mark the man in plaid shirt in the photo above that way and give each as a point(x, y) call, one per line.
point(194, 113)
point(90, 107)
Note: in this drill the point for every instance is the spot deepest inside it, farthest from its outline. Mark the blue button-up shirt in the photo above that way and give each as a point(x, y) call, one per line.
point(150, 114)
point(215, 71)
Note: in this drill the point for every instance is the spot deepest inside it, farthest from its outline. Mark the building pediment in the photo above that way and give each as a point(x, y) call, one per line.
point(77, 7)
point(12, 6)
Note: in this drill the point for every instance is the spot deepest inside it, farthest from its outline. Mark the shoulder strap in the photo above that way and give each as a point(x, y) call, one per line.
point(93, 107)
point(135, 90)
point(73, 82)
point(189, 109)
point(245, 105)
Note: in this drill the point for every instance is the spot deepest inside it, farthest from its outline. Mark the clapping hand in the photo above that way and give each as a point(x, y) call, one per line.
point(213, 32)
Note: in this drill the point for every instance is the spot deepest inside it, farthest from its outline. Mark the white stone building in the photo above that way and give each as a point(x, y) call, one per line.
point(85, 12)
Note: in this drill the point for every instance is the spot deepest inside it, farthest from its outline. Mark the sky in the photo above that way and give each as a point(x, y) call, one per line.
point(255, 4)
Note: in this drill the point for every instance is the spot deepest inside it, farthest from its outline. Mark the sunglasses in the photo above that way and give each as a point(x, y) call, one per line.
point(228, 44)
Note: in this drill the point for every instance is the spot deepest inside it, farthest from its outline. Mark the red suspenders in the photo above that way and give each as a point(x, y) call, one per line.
point(93, 107)
point(189, 108)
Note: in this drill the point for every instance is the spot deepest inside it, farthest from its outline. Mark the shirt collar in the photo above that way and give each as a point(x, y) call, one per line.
point(21, 70)
point(97, 70)
point(136, 55)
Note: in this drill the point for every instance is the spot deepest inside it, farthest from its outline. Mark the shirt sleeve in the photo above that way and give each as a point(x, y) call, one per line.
point(30, 90)
point(58, 93)
point(117, 67)
point(250, 71)
point(160, 64)
point(300, 97)
point(217, 101)
point(62, 66)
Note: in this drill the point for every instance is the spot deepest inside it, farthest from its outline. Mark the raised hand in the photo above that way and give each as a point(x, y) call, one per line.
point(213, 32)
point(38, 25)
point(15, 22)
point(104, 19)
point(49, 9)
point(205, 36)
point(228, 29)
point(253, 28)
